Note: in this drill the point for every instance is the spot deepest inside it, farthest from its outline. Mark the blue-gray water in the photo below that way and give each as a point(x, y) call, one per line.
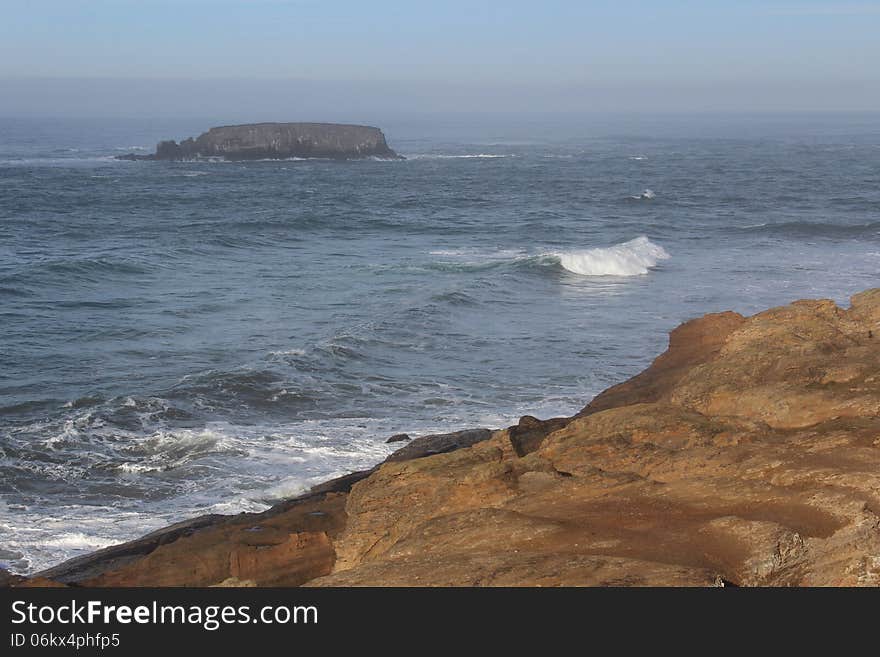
point(182, 338)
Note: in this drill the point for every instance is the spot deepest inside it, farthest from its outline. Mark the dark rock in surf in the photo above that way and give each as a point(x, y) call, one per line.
point(439, 444)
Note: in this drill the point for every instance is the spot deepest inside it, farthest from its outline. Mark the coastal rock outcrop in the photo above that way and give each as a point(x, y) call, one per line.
point(747, 454)
point(261, 141)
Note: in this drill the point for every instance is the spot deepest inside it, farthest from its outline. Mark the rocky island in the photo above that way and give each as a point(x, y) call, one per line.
point(748, 454)
point(277, 141)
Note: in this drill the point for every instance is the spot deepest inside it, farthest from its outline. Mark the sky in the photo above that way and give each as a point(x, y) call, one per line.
point(515, 55)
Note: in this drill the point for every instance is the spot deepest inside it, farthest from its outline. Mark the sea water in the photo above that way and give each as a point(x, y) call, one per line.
point(210, 337)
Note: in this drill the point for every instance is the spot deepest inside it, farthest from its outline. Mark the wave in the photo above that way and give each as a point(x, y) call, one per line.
point(14, 292)
point(94, 267)
point(646, 195)
point(167, 450)
point(478, 255)
point(633, 258)
point(121, 484)
point(810, 229)
point(13, 161)
point(471, 260)
point(455, 298)
point(467, 156)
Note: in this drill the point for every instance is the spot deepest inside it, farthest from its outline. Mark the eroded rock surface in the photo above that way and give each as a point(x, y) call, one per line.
point(260, 141)
point(747, 454)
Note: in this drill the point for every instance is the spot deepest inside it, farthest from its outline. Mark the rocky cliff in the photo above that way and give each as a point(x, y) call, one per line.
point(261, 141)
point(748, 454)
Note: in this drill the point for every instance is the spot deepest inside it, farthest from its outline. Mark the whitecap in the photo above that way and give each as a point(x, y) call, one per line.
point(633, 258)
point(78, 541)
point(645, 195)
point(287, 352)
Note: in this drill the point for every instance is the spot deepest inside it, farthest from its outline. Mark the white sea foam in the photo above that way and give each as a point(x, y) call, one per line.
point(645, 195)
point(292, 486)
point(467, 156)
point(262, 464)
point(139, 468)
point(78, 541)
point(278, 395)
point(71, 531)
point(633, 258)
point(287, 352)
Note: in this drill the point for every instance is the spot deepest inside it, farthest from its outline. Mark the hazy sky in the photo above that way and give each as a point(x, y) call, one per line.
point(539, 54)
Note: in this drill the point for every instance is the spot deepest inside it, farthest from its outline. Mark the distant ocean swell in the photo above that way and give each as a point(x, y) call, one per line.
point(812, 229)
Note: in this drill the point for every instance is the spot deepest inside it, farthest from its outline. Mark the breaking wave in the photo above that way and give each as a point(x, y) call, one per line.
point(633, 258)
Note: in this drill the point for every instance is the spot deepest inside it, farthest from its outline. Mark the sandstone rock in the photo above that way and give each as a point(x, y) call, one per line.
point(234, 582)
point(748, 454)
point(11, 580)
point(692, 343)
point(528, 435)
point(284, 546)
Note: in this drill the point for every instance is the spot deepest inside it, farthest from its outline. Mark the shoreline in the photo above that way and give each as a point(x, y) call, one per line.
point(745, 454)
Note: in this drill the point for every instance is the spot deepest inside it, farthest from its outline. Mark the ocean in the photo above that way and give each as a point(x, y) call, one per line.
point(211, 337)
